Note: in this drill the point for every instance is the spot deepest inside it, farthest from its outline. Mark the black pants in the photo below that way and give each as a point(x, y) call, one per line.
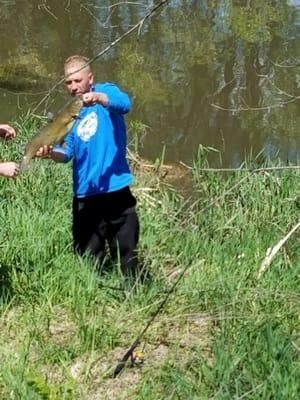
point(107, 217)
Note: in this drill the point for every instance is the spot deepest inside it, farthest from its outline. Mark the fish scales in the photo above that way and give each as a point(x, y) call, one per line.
point(54, 132)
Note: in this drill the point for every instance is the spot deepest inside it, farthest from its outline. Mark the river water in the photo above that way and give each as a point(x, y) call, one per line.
point(222, 74)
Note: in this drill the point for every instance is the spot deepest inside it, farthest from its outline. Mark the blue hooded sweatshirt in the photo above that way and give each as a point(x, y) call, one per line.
point(97, 144)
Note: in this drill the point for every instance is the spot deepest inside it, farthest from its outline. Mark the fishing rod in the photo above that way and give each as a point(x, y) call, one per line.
point(137, 26)
point(129, 353)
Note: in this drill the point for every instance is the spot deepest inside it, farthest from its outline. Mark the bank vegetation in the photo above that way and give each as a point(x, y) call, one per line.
point(226, 332)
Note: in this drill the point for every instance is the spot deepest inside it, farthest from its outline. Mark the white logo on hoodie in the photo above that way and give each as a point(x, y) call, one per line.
point(88, 127)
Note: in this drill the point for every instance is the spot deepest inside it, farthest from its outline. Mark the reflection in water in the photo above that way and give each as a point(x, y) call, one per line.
point(221, 74)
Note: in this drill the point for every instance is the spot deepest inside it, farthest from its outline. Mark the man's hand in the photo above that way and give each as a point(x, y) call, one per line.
point(7, 132)
point(9, 169)
point(91, 98)
point(44, 151)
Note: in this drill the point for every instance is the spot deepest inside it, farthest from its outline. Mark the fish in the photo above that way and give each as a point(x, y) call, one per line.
point(54, 132)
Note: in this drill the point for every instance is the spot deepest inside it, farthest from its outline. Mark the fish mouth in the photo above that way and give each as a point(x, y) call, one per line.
point(77, 94)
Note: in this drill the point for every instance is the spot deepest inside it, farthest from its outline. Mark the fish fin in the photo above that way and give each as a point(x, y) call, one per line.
point(24, 164)
point(50, 117)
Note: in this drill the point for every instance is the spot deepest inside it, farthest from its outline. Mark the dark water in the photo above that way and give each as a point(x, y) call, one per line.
point(223, 74)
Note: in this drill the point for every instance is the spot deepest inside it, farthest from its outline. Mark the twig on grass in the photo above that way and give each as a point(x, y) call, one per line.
point(272, 251)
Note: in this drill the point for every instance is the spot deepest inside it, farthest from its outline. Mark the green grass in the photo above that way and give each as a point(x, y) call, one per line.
point(224, 334)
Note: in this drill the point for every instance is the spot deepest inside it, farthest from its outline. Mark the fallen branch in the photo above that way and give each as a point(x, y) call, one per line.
point(272, 251)
point(263, 169)
point(267, 107)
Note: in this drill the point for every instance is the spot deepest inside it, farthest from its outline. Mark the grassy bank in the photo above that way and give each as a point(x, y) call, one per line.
point(224, 334)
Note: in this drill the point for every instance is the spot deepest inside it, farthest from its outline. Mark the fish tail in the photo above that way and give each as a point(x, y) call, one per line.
point(24, 164)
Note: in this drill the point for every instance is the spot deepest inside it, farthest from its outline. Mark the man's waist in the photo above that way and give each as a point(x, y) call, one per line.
point(111, 202)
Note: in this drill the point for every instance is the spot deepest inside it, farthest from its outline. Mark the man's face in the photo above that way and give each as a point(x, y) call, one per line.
point(78, 82)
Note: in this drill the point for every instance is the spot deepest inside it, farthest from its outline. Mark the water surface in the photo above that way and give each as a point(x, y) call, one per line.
point(222, 74)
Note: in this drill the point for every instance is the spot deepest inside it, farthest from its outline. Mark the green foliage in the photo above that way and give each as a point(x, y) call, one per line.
point(141, 76)
point(255, 24)
point(24, 71)
point(205, 50)
point(137, 131)
point(42, 390)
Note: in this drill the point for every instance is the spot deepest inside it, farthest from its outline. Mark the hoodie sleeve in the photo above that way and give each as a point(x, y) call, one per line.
point(118, 101)
point(67, 148)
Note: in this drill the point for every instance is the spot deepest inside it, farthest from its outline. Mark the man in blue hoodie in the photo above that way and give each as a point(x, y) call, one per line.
point(103, 205)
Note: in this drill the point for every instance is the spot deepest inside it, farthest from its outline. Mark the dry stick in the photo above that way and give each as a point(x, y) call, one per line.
point(272, 251)
point(130, 351)
point(268, 107)
point(263, 169)
point(112, 44)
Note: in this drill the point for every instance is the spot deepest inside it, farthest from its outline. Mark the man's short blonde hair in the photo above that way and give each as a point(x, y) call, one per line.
point(77, 61)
